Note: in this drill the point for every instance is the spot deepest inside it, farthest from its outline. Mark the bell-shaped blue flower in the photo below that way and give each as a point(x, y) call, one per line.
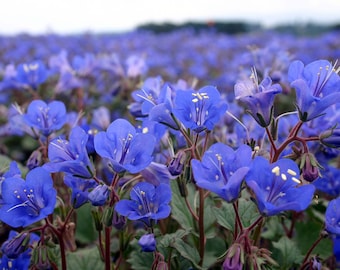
point(79, 188)
point(32, 74)
point(332, 217)
point(148, 202)
point(222, 170)
point(45, 117)
point(147, 242)
point(199, 110)
point(99, 195)
point(317, 87)
point(16, 251)
point(277, 187)
point(258, 98)
point(125, 149)
point(70, 156)
point(26, 202)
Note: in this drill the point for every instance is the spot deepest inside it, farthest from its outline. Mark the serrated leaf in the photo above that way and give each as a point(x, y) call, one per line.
point(187, 251)
point(141, 260)
point(85, 259)
point(289, 253)
point(138, 259)
point(273, 229)
point(225, 215)
point(168, 239)
point(247, 211)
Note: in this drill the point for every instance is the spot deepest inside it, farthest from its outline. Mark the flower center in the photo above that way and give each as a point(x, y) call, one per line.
point(27, 199)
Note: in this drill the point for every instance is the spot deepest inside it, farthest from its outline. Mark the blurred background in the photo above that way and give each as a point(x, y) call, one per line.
point(107, 16)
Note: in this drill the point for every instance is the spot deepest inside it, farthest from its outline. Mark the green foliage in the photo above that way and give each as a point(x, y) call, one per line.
point(85, 259)
point(288, 253)
point(85, 230)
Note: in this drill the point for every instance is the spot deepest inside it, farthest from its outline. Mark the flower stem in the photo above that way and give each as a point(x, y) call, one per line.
point(317, 241)
point(201, 226)
point(107, 248)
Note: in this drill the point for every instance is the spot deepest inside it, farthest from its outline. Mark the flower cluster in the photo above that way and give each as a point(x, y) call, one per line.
point(214, 157)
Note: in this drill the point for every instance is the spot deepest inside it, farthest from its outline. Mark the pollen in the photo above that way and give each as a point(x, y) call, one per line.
point(291, 172)
point(283, 176)
point(296, 180)
point(145, 130)
point(276, 170)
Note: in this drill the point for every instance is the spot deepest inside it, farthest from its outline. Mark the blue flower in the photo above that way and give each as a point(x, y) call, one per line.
point(26, 202)
point(329, 182)
point(70, 156)
point(125, 149)
point(199, 110)
point(99, 195)
point(258, 98)
point(80, 189)
point(45, 117)
point(276, 186)
point(32, 74)
point(16, 253)
point(317, 87)
point(156, 173)
point(147, 203)
point(222, 170)
point(147, 242)
point(332, 217)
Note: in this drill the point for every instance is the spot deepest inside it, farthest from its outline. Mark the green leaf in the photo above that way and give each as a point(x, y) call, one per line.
point(85, 259)
point(179, 209)
point(139, 260)
point(188, 252)
point(273, 228)
point(307, 233)
point(209, 218)
point(85, 231)
point(247, 211)
point(288, 253)
point(214, 249)
point(225, 215)
point(168, 239)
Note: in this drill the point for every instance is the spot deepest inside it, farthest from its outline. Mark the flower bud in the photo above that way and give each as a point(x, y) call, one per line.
point(118, 221)
point(309, 167)
point(233, 260)
point(41, 258)
point(34, 160)
point(147, 242)
point(176, 165)
point(330, 138)
point(98, 195)
point(14, 247)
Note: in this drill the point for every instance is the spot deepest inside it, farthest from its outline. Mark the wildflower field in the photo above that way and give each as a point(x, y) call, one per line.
point(178, 150)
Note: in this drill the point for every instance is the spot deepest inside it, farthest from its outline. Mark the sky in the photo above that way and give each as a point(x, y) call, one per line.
point(74, 16)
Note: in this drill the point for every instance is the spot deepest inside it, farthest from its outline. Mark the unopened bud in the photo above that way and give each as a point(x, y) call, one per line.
point(233, 260)
point(41, 258)
point(14, 247)
point(309, 167)
point(34, 160)
point(330, 138)
point(177, 163)
point(99, 195)
point(147, 242)
point(118, 221)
